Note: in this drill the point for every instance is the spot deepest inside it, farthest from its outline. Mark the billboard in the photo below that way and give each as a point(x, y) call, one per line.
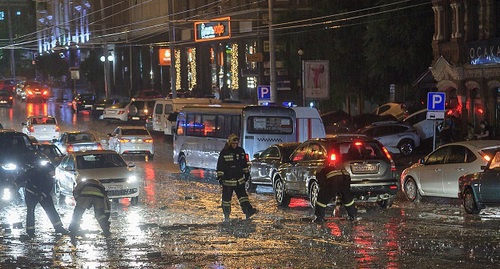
point(212, 30)
point(316, 79)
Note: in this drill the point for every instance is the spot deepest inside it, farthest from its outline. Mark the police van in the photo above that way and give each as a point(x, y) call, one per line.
point(202, 131)
point(168, 108)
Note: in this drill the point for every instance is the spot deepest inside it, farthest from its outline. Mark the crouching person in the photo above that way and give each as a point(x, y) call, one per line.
point(91, 193)
point(333, 182)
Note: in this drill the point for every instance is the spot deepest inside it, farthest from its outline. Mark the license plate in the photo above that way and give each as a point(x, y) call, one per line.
point(364, 168)
point(99, 108)
point(113, 187)
point(135, 118)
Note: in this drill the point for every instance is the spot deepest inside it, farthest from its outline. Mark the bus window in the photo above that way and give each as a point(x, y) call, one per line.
point(190, 130)
point(270, 125)
point(232, 125)
point(181, 127)
point(219, 130)
point(208, 125)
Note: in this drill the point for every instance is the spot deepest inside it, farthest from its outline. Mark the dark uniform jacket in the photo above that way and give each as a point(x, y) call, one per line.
point(232, 164)
point(38, 182)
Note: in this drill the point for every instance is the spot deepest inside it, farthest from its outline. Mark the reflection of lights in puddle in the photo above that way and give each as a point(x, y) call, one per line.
point(298, 202)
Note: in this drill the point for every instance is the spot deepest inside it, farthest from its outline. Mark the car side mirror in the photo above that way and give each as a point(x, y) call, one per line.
point(484, 167)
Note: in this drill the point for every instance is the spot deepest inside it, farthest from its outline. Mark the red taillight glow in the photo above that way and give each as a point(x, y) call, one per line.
point(57, 129)
point(487, 158)
point(70, 148)
point(357, 144)
point(247, 157)
point(121, 112)
point(388, 155)
point(99, 146)
point(333, 157)
point(32, 129)
point(45, 92)
point(393, 187)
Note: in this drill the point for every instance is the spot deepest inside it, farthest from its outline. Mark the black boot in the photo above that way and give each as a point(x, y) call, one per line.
point(250, 212)
point(227, 211)
point(319, 212)
point(351, 212)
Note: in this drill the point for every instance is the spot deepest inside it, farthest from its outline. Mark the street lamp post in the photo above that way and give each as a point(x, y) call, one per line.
point(301, 77)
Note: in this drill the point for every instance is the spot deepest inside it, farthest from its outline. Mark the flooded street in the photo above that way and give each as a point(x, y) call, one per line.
point(178, 224)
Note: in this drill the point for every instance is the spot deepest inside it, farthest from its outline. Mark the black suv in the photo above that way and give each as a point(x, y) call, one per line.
point(141, 110)
point(16, 156)
point(372, 170)
point(83, 101)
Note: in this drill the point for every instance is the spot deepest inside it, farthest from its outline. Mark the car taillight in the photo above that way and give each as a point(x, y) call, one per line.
point(388, 155)
point(70, 148)
point(45, 92)
point(486, 157)
point(149, 140)
point(10, 97)
point(121, 112)
point(393, 187)
point(29, 92)
point(32, 129)
point(99, 146)
point(124, 140)
point(247, 157)
point(57, 128)
point(333, 158)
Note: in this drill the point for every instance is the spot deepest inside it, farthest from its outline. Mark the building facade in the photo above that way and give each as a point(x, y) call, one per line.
point(466, 48)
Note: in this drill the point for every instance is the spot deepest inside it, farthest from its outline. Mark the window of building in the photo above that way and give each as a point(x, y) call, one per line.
point(2, 15)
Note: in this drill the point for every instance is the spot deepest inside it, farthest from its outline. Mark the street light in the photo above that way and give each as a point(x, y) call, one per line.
point(301, 76)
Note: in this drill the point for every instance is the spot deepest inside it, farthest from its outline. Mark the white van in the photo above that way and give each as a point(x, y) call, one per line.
point(308, 124)
point(164, 107)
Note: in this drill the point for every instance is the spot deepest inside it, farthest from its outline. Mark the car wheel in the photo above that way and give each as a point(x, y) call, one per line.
point(313, 193)
point(134, 200)
point(250, 187)
point(183, 165)
point(387, 202)
point(411, 190)
point(280, 195)
point(469, 202)
point(406, 147)
point(151, 157)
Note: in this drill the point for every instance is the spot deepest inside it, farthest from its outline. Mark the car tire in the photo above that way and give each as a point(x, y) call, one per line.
point(387, 202)
point(151, 157)
point(133, 110)
point(406, 147)
point(411, 190)
point(183, 165)
point(313, 193)
point(280, 195)
point(469, 202)
point(250, 187)
point(134, 200)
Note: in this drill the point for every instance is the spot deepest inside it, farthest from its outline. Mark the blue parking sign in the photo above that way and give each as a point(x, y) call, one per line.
point(436, 101)
point(264, 92)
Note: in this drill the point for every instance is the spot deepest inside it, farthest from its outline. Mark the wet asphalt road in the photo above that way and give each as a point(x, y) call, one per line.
point(178, 224)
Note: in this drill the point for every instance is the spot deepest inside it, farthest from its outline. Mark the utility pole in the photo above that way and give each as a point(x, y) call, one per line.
point(171, 39)
point(272, 57)
point(12, 59)
point(105, 52)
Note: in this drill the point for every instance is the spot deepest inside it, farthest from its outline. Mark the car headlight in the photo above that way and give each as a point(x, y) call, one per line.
point(6, 195)
point(9, 166)
point(131, 179)
point(44, 162)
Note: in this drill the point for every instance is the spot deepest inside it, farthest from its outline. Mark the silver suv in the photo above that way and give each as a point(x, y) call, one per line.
point(372, 170)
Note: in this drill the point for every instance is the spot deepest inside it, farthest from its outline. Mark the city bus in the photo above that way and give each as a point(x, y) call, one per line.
point(162, 121)
point(202, 131)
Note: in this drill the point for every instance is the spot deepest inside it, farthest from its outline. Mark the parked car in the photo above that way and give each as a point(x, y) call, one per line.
point(399, 111)
point(83, 101)
point(6, 98)
point(395, 136)
point(372, 170)
point(50, 151)
point(265, 163)
point(118, 111)
point(36, 91)
point(481, 189)
point(141, 110)
point(107, 166)
point(43, 128)
point(132, 140)
point(437, 174)
point(423, 126)
point(77, 141)
point(98, 107)
point(148, 94)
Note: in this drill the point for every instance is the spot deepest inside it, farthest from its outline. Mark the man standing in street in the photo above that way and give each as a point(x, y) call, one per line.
point(91, 193)
point(232, 173)
point(333, 182)
point(39, 183)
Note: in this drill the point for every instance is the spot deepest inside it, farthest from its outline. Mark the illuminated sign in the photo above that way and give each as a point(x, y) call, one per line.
point(164, 57)
point(484, 52)
point(212, 30)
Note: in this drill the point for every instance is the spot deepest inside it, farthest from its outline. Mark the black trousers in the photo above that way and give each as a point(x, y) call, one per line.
point(48, 206)
point(101, 216)
point(241, 193)
point(330, 187)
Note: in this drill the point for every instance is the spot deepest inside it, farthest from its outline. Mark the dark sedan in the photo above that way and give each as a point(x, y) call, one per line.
point(99, 106)
point(6, 98)
point(83, 101)
point(481, 189)
point(266, 163)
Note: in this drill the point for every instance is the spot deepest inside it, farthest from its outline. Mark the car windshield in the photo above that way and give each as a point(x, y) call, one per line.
point(93, 161)
point(360, 151)
point(134, 132)
point(45, 120)
point(81, 137)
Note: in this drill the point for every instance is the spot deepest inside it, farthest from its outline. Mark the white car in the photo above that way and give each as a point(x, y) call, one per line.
point(118, 111)
point(77, 141)
point(107, 166)
point(43, 128)
point(132, 140)
point(437, 174)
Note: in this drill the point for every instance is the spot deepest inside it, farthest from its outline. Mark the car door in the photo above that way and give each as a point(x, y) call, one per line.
point(489, 182)
point(305, 169)
point(431, 172)
point(263, 166)
point(65, 174)
point(453, 168)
